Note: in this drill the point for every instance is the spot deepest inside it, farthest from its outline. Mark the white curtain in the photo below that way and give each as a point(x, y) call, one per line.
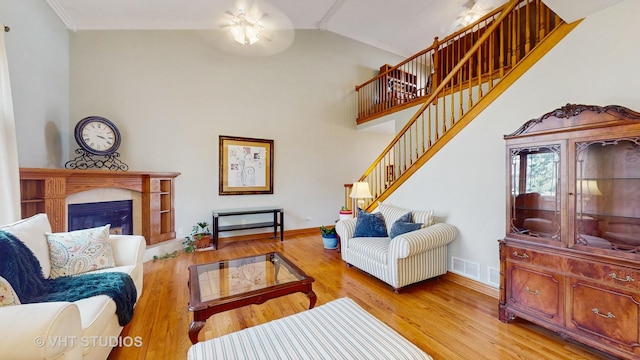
point(9, 170)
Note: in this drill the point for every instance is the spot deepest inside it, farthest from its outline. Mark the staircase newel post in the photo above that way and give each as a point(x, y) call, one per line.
point(435, 66)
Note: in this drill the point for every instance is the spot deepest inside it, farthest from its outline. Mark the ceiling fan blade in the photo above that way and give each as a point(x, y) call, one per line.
point(265, 37)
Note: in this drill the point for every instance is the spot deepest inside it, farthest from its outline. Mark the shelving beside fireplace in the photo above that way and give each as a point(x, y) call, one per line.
point(46, 190)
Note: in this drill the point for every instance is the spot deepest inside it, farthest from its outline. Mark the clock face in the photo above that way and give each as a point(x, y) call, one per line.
point(97, 135)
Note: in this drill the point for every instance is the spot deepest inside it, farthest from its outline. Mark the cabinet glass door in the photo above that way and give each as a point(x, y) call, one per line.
point(535, 196)
point(608, 194)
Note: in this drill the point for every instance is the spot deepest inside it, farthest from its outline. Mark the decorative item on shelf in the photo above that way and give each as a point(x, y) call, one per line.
point(360, 191)
point(200, 238)
point(97, 136)
point(329, 237)
point(345, 213)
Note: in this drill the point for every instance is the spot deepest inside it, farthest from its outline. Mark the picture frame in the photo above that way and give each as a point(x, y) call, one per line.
point(245, 166)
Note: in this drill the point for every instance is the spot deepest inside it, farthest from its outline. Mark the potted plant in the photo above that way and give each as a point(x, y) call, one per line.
point(329, 237)
point(200, 237)
point(345, 213)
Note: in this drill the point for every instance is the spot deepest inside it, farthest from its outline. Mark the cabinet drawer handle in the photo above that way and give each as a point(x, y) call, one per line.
point(609, 315)
point(523, 256)
point(536, 292)
point(614, 276)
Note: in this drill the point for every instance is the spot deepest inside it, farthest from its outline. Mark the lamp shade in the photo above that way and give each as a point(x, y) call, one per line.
point(589, 187)
point(360, 190)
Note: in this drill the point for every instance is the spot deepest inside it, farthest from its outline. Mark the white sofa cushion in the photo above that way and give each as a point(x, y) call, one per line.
point(127, 269)
point(80, 251)
point(31, 231)
point(372, 248)
point(95, 313)
point(423, 216)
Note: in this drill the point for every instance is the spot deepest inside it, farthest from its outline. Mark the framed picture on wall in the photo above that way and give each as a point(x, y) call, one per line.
point(246, 166)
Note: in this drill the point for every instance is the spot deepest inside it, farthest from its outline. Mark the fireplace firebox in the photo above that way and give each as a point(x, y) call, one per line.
point(88, 215)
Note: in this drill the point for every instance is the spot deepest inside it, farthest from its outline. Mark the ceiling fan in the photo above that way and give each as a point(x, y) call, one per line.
point(472, 10)
point(246, 28)
point(250, 28)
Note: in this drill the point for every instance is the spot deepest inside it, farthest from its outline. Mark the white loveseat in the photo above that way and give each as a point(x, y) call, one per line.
point(404, 259)
point(84, 329)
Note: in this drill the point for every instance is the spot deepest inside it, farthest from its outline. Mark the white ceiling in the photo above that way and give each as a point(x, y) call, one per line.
point(403, 27)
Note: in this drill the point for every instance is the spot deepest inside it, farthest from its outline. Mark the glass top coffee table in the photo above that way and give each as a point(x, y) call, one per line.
point(230, 284)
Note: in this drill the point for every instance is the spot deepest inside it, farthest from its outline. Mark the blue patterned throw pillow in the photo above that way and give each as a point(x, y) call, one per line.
point(405, 218)
point(370, 225)
point(401, 227)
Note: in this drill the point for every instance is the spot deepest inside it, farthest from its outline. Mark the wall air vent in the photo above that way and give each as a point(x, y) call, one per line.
point(466, 268)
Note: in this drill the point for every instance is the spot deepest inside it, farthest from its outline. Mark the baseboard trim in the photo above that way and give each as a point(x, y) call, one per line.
point(472, 284)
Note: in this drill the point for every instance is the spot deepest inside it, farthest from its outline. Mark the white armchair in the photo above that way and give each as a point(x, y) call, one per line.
point(406, 259)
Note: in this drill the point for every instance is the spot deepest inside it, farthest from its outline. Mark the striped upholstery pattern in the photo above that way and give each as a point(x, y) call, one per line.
point(339, 329)
point(419, 241)
point(376, 249)
point(410, 257)
point(393, 213)
point(346, 229)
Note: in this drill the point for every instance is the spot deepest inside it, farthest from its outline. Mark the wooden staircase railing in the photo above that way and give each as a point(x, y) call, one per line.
point(511, 41)
point(409, 82)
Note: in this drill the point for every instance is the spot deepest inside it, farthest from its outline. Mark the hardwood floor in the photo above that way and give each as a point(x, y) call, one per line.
point(446, 320)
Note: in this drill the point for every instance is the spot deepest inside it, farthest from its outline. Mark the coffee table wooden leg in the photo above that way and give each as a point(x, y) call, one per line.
point(312, 298)
point(194, 330)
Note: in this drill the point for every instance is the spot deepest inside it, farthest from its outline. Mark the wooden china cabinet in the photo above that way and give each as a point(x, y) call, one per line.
point(570, 261)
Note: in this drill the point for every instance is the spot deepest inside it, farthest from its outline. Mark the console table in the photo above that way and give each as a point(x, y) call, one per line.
point(278, 221)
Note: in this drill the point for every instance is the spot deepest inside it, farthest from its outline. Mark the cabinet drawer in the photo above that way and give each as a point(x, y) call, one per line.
point(609, 315)
point(536, 292)
point(611, 275)
point(533, 257)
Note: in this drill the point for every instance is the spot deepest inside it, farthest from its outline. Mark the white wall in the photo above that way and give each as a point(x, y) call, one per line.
point(38, 55)
point(465, 183)
point(172, 94)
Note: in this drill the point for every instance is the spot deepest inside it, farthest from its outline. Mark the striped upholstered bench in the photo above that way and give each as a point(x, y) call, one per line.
point(339, 329)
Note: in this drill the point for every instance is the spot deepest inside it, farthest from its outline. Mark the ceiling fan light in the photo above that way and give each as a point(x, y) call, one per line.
point(251, 34)
point(244, 29)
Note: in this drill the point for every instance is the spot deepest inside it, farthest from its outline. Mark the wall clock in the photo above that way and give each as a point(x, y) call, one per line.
point(97, 135)
point(98, 138)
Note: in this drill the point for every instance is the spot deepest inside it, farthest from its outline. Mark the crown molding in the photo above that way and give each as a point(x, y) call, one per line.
point(62, 14)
